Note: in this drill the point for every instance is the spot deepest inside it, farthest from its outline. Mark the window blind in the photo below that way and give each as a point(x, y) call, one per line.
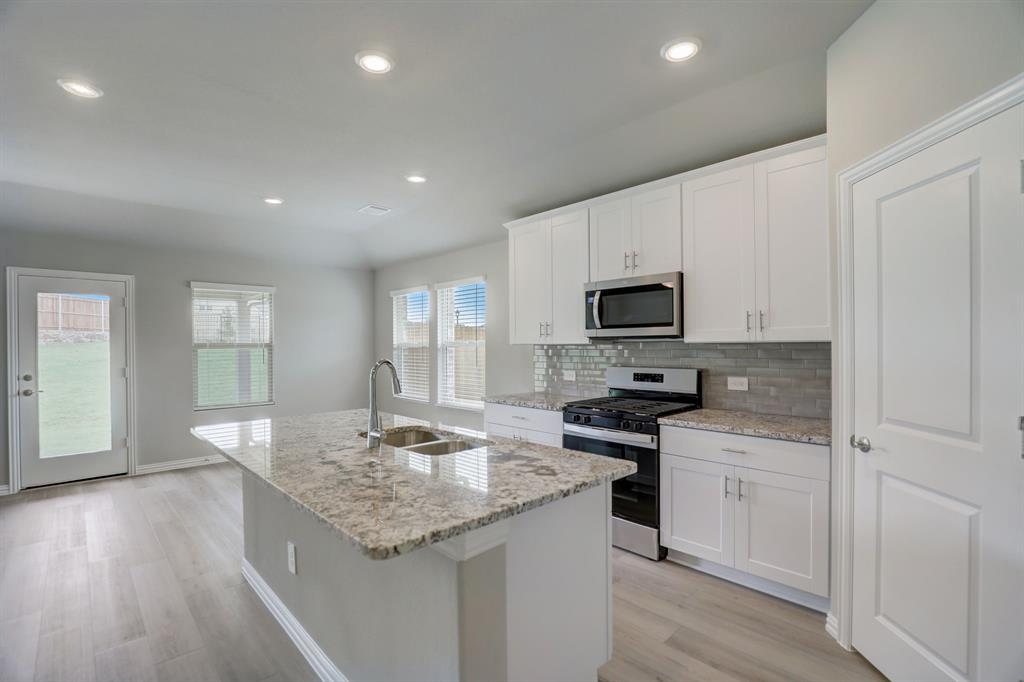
point(411, 341)
point(232, 345)
point(461, 340)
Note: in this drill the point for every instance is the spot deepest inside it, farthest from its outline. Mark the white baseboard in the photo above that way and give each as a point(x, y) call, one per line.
point(177, 464)
point(307, 646)
point(791, 594)
point(5, 489)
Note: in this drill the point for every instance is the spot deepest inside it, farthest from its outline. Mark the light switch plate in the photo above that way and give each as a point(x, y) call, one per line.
point(291, 557)
point(569, 374)
point(739, 384)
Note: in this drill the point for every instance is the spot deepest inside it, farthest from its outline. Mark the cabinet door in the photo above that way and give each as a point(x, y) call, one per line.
point(718, 257)
point(657, 231)
point(782, 529)
point(697, 508)
point(610, 242)
point(791, 226)
point(570, 266)
point(529, 282)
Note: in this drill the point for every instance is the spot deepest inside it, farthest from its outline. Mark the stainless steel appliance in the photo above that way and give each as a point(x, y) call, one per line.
point(636, 307)
point(624, 424)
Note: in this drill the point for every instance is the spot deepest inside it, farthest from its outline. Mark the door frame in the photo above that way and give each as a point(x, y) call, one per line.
point(13, 409)
point(839, 622)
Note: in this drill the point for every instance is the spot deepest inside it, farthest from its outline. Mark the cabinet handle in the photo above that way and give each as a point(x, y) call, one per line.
point(634, 260)
point(540, 329)
point(760, 314)
point(739, 489)
point(726, 488)
point(547, 327)
point(738, 452)
point(625, 260)
point(748, 321)
point(516, 416)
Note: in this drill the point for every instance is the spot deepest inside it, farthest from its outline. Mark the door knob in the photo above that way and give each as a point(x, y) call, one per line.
point(863, 443)
point(27, 392)
point(27, 377)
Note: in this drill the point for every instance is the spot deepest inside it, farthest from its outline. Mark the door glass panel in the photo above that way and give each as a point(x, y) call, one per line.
point(73, 364)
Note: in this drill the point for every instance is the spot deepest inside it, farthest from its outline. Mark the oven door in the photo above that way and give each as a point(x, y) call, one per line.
point(636, 307)
point(635, 497)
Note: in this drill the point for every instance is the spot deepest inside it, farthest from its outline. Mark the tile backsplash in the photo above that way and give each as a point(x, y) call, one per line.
point(785, 378)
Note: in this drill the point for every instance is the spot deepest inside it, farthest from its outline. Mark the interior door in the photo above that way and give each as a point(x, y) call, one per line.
point(530, 271)
point(71, 379)
point(570, 266)
point(610, 243)
point(697, 509)
point(782, 529)
point(657, 231)
point(718, 256)
point(938, 283)
point(791, 227)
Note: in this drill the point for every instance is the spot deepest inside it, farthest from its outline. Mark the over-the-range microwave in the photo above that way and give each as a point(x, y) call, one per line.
point(636, 307)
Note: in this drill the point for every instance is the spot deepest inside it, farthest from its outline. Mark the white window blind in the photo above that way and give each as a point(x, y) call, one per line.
point(232, 345)
point(411, 341)
point(461, 340)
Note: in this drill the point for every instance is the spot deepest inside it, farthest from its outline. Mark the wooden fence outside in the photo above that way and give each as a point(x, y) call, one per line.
point(64, 312)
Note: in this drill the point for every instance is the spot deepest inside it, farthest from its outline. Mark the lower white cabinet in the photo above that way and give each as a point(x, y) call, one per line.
point(532, 425)
point(770, 524)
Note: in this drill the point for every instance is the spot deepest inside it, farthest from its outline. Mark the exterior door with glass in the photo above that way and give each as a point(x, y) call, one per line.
point(71, 378)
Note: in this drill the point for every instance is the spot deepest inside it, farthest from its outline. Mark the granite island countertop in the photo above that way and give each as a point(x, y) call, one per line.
point(538, 400)
point(388, 501)
point(779, 427)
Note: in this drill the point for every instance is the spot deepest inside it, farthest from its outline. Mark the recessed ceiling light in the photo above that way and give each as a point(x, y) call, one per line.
point(680, 50)
point(415, 178)
point(273, 201)
point(80, 88)
point(374, 62)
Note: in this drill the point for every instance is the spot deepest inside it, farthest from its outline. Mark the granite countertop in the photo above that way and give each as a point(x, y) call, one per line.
point(779, 427)
point(539, 400)
point(389, 501)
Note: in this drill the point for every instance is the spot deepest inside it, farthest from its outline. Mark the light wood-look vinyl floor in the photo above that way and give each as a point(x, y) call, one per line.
point(138, 579)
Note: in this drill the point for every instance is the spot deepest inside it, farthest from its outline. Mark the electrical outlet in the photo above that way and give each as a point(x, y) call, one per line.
point(739, 384)
point(569, 374)
point(291, 558)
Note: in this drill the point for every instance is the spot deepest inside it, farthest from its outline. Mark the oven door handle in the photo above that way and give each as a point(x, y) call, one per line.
point(641, 440)
point(597, 308)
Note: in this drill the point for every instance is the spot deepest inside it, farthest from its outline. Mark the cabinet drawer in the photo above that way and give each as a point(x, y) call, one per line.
point(524, 417)
point(766, 454)
point(530, 436)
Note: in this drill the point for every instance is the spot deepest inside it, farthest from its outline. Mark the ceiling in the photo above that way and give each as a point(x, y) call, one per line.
point(508, 108)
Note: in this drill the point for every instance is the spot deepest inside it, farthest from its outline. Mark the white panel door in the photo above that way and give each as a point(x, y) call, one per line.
point(570, 266)
point(782, 529)
point(530, 275)
point(718, 257)
point(657, 231)
point(938, 252)
point(696, 507)
point(611, 247)
point(791, 226)
point(72, 380)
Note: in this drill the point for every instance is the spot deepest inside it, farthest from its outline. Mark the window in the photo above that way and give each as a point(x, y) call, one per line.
point(232, 345)
point(461, 334)
point(411, 341)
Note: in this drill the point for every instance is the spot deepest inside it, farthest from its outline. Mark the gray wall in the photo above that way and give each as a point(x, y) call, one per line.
point(321, 322)
point(509, 368)
point(785, 378)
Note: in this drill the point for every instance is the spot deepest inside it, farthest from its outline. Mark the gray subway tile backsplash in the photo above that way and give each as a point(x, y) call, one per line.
point(785, 378)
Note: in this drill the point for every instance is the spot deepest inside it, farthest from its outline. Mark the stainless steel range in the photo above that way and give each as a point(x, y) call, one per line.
point(624, 424)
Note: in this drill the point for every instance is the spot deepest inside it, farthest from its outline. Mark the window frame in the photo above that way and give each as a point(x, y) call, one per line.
point(395, 294)
point(441, 347)
point(271, 343)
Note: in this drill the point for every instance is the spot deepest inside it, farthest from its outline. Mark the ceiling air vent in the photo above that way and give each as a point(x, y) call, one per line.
point(373, 209)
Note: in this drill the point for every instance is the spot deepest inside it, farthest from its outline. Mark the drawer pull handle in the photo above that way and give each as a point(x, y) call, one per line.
point(516, 416)
point(738, 452)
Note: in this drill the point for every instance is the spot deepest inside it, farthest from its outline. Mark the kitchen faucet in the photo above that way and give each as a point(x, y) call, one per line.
point(374, 431)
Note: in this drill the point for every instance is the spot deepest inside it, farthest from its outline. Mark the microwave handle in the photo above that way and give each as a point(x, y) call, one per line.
point(597, 308)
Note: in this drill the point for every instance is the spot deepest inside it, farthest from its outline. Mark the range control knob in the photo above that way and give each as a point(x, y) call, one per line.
point(575, 417)
point(586, 420)
point(638, 427)
point(626, 424)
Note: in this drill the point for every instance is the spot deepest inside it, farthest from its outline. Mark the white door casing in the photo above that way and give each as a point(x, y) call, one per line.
point(569, 272)
point(937, 384)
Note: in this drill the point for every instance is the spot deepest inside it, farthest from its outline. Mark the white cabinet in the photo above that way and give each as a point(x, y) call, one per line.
point(718, 257)
point(791, 234)
point(636, 236)
point(772, 524)
point(756, 253)
point(547, 271)
point(532, 425)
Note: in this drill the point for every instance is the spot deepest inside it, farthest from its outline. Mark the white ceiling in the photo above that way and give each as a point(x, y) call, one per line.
point(508, 108)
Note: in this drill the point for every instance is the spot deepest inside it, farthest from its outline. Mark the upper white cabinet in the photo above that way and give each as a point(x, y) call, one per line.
point(635, 236)
point(547, 271)
point(755, 252)
point(791, 233)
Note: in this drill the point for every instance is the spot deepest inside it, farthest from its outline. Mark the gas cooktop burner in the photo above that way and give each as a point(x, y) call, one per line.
point(633, 406)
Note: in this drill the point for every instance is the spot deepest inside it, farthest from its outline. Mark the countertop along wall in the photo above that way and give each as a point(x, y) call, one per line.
point(322, 318)
point(509, 368)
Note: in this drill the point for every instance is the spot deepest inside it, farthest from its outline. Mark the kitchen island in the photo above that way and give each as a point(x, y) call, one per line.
point(489, 563)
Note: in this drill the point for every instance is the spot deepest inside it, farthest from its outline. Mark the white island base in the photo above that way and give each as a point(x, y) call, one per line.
point(525, 598)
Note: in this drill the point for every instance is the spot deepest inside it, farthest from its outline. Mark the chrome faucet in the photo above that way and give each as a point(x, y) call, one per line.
point(374, 431)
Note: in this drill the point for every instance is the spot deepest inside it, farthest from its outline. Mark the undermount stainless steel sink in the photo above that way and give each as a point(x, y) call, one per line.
point(427, 441)
point(415, 436)
point(445, 447)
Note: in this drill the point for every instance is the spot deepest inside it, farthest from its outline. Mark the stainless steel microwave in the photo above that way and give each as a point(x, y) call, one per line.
point(636, 307)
